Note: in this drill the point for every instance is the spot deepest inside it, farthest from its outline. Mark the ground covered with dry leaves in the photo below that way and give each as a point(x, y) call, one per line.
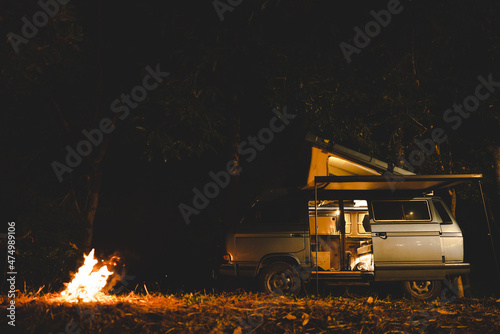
point(254, 313)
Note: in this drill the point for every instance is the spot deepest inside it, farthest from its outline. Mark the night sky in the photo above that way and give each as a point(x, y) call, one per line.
point(213, 85)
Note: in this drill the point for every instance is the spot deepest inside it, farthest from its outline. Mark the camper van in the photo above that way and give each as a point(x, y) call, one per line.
point(358, 224)
point(287, 240)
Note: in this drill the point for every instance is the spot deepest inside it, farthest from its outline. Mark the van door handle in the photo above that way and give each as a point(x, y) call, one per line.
point(296, 235)
point(381, 235)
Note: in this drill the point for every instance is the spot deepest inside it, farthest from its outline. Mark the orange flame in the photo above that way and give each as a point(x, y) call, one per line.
point(87, 284)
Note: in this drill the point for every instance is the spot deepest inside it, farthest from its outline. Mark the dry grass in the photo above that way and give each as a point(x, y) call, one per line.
point(253, 313)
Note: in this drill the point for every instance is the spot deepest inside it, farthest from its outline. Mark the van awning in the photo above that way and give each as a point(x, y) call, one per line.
point(391, 182)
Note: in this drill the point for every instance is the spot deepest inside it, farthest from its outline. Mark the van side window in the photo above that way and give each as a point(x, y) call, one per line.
point(416, 210)
point(401, 210)
point(348, 223)
point(364, 223)
point(282, 211)
point(445, 217)
point(388, 210)
point(327, 223)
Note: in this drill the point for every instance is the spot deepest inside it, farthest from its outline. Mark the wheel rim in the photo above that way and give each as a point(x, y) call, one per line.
point(281, 281)
point(421, 288)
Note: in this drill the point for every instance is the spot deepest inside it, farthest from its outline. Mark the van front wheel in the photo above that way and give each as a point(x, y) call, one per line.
point(422, 290)
point(280, 278)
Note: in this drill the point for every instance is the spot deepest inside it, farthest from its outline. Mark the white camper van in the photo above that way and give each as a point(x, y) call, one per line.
point(351, 229)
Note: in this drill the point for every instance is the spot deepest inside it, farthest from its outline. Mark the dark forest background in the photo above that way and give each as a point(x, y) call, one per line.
point(225, 79)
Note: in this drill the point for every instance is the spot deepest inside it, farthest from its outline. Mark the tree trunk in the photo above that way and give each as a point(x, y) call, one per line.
point(94, 187)
point(453, 194)
point(453, 206)
point(495, 210)
point(232, 194)
point(496, 155)
point(94, 180)
point(93, 201)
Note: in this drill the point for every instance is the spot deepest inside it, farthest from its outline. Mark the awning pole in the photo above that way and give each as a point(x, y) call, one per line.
point(341, 219)
point(489, 228)
point(316, 231)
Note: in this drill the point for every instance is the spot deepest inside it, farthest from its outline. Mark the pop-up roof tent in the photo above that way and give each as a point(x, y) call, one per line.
point(340, 172)
point(337, 168)
point(329, 158)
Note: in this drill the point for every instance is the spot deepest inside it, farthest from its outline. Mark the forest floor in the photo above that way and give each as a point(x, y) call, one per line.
point(244, 312)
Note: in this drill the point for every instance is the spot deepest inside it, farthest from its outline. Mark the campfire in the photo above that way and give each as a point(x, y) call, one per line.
point(90, 281)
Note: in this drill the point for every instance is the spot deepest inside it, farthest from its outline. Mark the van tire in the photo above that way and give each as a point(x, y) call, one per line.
point(422, 290)
point(280, 278)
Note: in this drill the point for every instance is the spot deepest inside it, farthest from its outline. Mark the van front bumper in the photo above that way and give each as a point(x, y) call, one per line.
point(236, 270)
point(226, 270)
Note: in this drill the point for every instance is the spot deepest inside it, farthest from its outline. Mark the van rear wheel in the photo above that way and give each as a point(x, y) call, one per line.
point(280, 278)
point(422, 290)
